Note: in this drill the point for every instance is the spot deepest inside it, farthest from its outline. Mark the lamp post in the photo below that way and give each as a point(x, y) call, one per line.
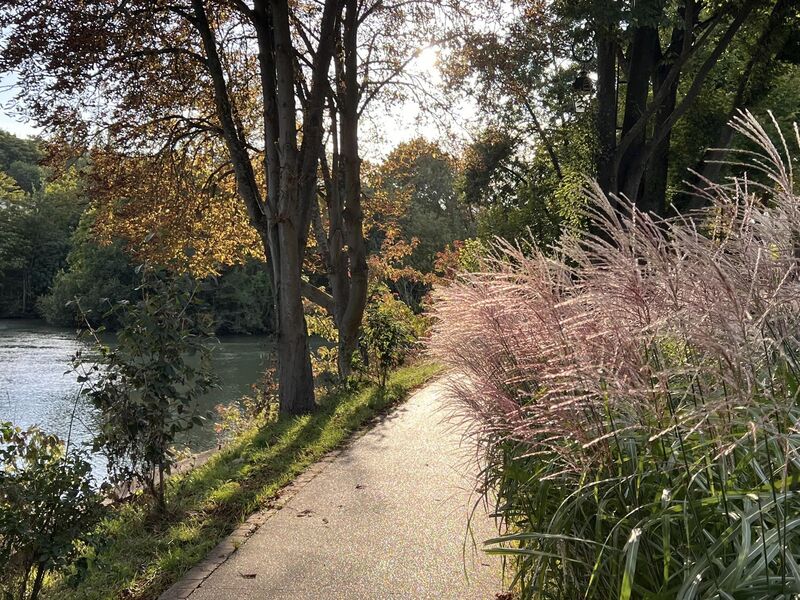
point(582, 86)
point(582, 89)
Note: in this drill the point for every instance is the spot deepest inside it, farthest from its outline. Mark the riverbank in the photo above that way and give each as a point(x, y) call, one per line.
point(37, 386)
point(138, 556)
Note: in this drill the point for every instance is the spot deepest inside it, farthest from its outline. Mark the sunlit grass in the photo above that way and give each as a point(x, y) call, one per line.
point(139, 555)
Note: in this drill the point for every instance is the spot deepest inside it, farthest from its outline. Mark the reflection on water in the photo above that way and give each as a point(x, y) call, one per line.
point(38, 388)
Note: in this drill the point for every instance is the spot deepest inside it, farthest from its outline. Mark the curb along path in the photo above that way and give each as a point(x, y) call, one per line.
point(384, 518)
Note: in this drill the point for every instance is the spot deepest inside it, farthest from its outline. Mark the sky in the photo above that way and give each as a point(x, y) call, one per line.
point(8, 120)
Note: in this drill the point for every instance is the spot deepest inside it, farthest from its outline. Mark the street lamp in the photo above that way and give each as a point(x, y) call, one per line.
point(582, 89)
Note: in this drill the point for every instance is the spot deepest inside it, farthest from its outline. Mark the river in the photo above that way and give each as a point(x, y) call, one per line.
point(38, 388)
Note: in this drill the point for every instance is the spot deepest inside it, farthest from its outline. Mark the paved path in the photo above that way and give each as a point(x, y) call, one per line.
point(384, 519)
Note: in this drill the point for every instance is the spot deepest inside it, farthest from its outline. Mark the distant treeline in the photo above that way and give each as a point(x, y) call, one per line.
point(49, 257)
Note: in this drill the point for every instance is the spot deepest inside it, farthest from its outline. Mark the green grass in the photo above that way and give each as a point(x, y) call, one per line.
point(142, 555)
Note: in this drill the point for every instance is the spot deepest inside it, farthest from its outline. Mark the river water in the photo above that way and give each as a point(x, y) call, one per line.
point(38, 388)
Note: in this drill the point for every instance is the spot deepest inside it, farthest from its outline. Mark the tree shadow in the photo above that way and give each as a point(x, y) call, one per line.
point(138, 556)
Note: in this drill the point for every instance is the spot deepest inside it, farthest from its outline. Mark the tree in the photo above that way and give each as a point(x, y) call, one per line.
point(14, 149)
point(376, 41)
point(638, 67)
point(421, 213)
point(96, 278)
point(145, 388)
point(223, 78)
point(35, 231)
point(179, 78)
point(763, 62)
point(173, 205)
point(342, 248)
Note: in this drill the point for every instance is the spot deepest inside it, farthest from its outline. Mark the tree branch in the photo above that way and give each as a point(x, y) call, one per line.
point(318, 296)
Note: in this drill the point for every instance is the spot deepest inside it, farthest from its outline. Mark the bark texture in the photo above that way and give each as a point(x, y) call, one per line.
point(290, 170)
point(635, 163)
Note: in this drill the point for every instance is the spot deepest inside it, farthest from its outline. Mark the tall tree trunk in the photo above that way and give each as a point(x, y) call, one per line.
point(606, 120)
point(343, 250)
point(282, 219)
point(349, 315)
point(296, 389)
point(643, 51)
point(654, 198)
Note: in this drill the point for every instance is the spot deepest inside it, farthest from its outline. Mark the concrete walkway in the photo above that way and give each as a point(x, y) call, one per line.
point(385, 518)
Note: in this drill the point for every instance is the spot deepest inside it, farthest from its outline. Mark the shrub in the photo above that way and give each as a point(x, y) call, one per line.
point(47, 505)
point(389, 332)
point(637, 394)
point(145, 388)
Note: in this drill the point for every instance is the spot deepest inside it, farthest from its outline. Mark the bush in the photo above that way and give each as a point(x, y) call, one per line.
point(389, 332)
point(637, 394)
point(145, 388)
point(47, 505)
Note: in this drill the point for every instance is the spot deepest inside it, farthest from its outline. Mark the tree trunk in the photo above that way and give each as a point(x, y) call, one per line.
point(629, 167)
point(654, 199)
point(296, 389)
point(37, 582)
point(752, 87)
point(344, 250)
point(352, 216)
point(282, 218)
point(606, 120)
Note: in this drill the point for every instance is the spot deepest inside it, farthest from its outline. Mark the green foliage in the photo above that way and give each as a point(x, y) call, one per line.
point(146, 386)
point(518, 193)
point(97, 277)
point(36, 225)
point(240, 299)
point(695, 535)
point(470, 254)
point(418, 179)
point(389, 332)
point(29, 177)
point(47, 505)
point(14, 149)
point(137, 561)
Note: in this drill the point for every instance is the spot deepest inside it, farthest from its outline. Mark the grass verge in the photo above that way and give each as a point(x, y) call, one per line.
point(139, 555)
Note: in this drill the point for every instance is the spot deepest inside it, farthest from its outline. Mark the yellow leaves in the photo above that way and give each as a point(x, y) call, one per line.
point(185, 212)
point(10, 192)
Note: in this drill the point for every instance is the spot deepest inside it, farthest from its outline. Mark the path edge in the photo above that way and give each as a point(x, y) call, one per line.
point(196, 576)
